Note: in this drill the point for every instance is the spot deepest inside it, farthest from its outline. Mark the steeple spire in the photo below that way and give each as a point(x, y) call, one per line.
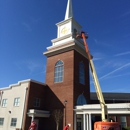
point(69, 10)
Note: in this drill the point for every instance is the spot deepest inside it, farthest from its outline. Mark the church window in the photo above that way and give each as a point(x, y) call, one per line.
point(37, 102)
point(123, 121)
point(58, 74)
point(81, 100)
point(81, 73)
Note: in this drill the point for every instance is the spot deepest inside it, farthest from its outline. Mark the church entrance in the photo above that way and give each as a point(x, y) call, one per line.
point(79, 124)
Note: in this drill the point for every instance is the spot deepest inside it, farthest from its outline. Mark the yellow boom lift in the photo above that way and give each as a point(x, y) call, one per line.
point(104, 124)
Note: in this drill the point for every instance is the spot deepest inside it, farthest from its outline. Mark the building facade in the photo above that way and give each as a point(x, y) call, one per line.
point(67, 88)
point(31, 100)
point(21, 103)
point(12, 104)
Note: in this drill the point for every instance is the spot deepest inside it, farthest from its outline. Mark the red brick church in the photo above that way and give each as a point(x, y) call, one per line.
point(67, 88)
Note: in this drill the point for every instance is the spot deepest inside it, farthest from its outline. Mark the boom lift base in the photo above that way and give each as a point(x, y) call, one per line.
point(106, 126)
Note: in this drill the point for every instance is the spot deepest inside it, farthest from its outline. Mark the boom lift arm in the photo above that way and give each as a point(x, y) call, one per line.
point(95, 78)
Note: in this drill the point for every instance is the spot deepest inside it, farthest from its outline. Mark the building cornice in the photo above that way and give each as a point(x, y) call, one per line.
point(21, 82)
point(115, 108)
point(67, 21)
point(61, 38)
point(73, 44)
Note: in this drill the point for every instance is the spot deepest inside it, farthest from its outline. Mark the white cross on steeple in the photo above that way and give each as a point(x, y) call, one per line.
point(69, 10)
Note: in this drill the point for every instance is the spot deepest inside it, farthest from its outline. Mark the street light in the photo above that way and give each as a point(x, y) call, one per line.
point(65, 102)
point(1, 93)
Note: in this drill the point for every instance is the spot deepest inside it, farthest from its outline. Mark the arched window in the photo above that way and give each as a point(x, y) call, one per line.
point(81, 73)
point(81, 100)
point(58, 73)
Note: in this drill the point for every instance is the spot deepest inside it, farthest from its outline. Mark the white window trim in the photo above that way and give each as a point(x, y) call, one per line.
point(123, 121)
point(13, 122)
point(17, 103)
point(62, 76)
point(2, 121)
point(4, 104)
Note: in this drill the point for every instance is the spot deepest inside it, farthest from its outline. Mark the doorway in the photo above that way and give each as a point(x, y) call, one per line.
point(37, 121)
point(78, 125)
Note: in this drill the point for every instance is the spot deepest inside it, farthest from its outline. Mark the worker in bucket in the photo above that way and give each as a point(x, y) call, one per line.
point(66, 127)
point(33, 126)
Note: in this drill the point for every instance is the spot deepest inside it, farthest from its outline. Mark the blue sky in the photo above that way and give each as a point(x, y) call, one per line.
point(28, 26)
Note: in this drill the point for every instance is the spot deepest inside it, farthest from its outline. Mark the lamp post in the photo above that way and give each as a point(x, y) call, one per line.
point(1, 93)
point(65, 102)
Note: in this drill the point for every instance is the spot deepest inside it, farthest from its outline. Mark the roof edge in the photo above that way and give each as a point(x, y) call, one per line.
point(20, 82)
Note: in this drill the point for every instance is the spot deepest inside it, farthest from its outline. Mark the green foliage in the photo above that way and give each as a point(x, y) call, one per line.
point(126, 128)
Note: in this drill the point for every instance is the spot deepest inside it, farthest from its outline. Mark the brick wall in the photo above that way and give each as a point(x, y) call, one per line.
point(38, 91)
point(70, 88)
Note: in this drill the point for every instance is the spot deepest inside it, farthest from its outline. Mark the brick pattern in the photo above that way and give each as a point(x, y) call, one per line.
point(128, 120)
point(53, 94)
point(79, 88)
point(70, 88)
point(38, 91)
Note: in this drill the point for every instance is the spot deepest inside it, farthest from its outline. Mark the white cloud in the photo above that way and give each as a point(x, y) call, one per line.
point(27, 26)
point(125, 14)
point(94, 59)
point(126, 65)
point(30, 65)
point(127, 35)
point(124, 53)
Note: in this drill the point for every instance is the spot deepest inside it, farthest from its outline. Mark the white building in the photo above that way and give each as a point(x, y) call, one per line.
point(67, 89)
point(12, 105)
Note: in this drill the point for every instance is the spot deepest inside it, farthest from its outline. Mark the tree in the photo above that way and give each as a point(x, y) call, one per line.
point(57, 114)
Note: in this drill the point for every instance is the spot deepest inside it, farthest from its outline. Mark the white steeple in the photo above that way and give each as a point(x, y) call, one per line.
point(66, 34)
point(69, 10)
point(67, 28)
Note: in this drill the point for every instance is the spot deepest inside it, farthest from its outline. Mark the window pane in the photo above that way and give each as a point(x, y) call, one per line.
point(13, 122)
point(4, 103)
point(81, 100)
point(58, 74)
point(16, 101)
point(55, 80)
point(36, 102)
point(1, 121)
point(60, 68)
point(60, 79)
point(59, 63)
point(123, 121)
point(56, 69)
point(81, 73)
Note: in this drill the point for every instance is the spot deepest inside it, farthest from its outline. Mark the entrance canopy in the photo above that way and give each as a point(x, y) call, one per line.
point(115, 108)
point(83, 114)
point(38, 113)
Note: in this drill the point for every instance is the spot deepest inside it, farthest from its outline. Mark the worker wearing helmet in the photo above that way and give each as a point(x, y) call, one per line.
point(33, 126)
point(66, 127)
